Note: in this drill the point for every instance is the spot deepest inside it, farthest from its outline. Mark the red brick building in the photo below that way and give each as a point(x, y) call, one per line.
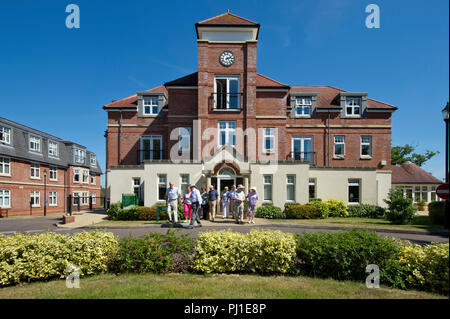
point(228, 124)
point(38, 169)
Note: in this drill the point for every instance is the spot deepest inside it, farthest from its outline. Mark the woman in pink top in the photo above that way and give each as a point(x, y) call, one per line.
point(252, 200)
point(187, 205)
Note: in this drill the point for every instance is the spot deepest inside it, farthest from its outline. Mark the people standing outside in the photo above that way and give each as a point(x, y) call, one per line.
point(213, 199)
point(232, 195)
point(196, 199)
point(252, 200)
point(205, 203)
point(225, 203)
point(172, 197)
point(187, 205)
point(239, 205)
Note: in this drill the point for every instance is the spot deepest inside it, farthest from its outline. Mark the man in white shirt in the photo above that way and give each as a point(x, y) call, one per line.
point(239, 199)
point(232, 195)
point(196, 199)
point(172, 197)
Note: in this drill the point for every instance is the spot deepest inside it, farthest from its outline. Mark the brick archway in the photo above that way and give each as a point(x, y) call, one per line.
point(223, 164)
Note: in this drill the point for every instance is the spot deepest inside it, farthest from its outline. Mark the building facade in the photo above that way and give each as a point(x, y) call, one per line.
point(38, 169)
point(227, 124)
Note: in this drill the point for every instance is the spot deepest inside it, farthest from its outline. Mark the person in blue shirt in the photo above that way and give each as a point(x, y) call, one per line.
point(196, 199)
point(225, 203)
point(213, 199)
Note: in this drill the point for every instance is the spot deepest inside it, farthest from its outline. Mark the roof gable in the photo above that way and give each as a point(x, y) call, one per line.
point(410, 173)
point(227, 18)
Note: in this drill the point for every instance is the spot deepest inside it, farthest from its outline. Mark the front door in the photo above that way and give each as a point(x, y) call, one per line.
point(302, 148)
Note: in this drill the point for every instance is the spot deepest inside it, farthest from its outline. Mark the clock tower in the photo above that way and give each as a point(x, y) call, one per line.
point(227, 71)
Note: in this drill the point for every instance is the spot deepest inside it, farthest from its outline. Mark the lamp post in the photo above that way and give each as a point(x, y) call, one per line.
point(45, 192)
point(445, 113)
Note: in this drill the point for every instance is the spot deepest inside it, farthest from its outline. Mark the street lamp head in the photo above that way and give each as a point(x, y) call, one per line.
point(445, 112)
point(45, 173)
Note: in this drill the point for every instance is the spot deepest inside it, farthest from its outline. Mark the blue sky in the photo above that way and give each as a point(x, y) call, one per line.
point(57, 79)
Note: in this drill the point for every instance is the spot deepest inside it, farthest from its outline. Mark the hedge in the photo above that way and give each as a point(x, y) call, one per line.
point(26, 257)
point(366, 210)
point(270, 212)
point(298, 211)
point(436, 211)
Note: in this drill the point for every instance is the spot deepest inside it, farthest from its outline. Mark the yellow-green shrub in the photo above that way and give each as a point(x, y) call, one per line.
point(427, 268)
point(26, 257)
point(337, 208)
point(260, 251)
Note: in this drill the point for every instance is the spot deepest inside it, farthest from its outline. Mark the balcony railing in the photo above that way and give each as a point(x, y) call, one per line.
point(151, 154)
point(226, 101)
point(310, 157)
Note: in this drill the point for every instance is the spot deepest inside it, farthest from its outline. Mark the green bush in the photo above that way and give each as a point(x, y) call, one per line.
point(154, 252)
point(436, 211)
point(113, 210)
point(25, 257)
point(260, 251)
point(366, 210)
point(128, 214)
point(302, 212)
point(322, 207)
point(337, 208)
point(401, 210)
point(149, 213)
point(345, 256)
point(315, 199)
point(270, 212)
point(426, 267)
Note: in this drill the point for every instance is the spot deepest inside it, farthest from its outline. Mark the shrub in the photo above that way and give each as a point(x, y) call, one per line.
point(128, 214)
point(298, 211)
point(315, 199)
point(366, 210)
point(149, 213)
point(322, 207)
point(113, 210)
point(153, 253)
point(270, 212)
point(260, 251)
point(25, 257)
point(401, 210)
point(436, 211)
point(427, 267)
point(337, 208)
point(421, 203)
point(345, 255)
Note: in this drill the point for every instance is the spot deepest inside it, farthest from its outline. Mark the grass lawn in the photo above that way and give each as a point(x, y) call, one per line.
point(189, 286)
point(418, 223)
point(128, 222)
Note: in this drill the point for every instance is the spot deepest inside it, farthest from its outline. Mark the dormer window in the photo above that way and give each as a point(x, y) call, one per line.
point(53, 149)
point(93, 160)
point(353, 106)
point(303, 106)
point(5, 135)
point(35, 143)
point(151, 106)
point(226, 93)
point(80, 156)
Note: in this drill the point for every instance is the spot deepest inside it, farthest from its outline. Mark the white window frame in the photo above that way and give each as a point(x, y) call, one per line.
point(94, 198)
point(53, 150)
point(351, 182)
point(80, 155)
point(238, 96)
point(5, 135)
point(290, 184)
point(184, 134)
point(52, 195)
point(76, 195)
point(93, 160)
point(34, 195)
point(268, 184)
point(33, 169)
point(75, 170)
point(366, 143)
point(269, 134)
point(302, 103)
point(338, 143)
point(54, 170)
point(36, 142)
point(151, 138)
point(227, 130)
point(158, 181)
point(92, 179)
point(84, 198)
point(312, 182)
point(303, 152)
point(151, 99)
point(5, 193)
point(186, 184)
point(85, 173)
point(350, 103)
point(5, 163)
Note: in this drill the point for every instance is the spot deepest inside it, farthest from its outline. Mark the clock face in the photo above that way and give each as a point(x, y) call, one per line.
point(227, 58)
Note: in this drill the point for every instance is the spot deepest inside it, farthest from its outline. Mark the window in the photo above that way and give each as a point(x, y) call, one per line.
point(366, 146)
point(417, 193)
point(35, 171)
point(136, 185)
point(76, 175)
point(93, 160)
point(184, 139)
point(5, 198)
point(227, 94)
point(353, 106)
point(354, 191)
point(52, 172)
point(5, 135)
point(269, 139)
point(433, 193)
point(162, 186)
point(5, 166)
point(303, 106)
point(339, 146)
point(80, 156)
point(290, 188)
point(93, 179)
point(267, 188)
point(35, 143)
point(76, 198)
point(94, 198)
point(35, 198)
point(52, 199)
point(84, 198)
point(227, 133)
point(151, 148)
point(184, 183)
point(151, 105)
point(85, 176)
point(302, 149)
point(53, 149)
point(312, 188)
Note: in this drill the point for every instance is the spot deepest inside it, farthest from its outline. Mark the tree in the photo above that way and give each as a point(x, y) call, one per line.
point(402, 154)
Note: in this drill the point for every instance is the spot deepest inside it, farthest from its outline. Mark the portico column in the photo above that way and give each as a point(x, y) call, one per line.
point(246, 184)
point(208, 181)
